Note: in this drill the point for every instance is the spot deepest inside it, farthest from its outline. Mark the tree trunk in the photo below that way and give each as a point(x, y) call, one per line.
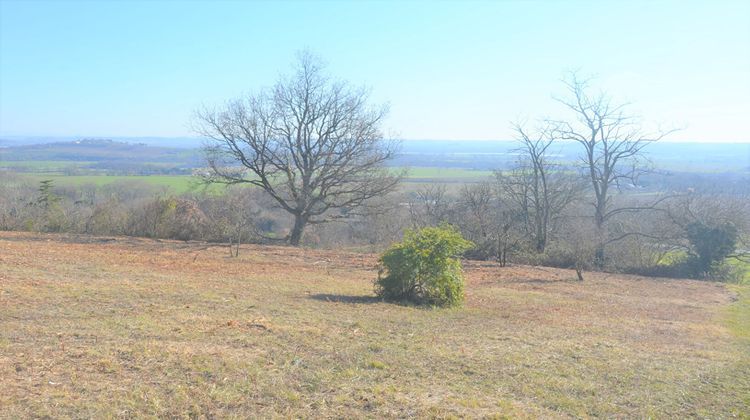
point(541, 240)
point(295, 237)
point(503, 245)
point(599, 254)
point(600, 221)
point(239, 241)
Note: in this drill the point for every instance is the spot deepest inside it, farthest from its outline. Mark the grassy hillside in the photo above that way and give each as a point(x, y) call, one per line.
point(103, 327)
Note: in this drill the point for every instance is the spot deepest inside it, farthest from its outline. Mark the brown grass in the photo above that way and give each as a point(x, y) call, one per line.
point(116, 327)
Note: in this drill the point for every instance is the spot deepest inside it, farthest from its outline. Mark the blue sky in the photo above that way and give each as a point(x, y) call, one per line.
point(450, 70)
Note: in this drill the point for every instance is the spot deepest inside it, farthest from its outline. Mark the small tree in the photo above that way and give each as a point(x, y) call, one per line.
point(429, 205)
point(709, 246)
point(46, 198)
point(424, 267)
point(538, 189)
point(545, 191)
point(477, 217)
point(50, 215)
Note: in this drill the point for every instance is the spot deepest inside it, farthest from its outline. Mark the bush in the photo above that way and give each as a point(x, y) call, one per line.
point(424, 267)
point(710, 245)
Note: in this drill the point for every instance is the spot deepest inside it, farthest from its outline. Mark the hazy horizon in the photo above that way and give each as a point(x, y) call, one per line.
point(153, 140)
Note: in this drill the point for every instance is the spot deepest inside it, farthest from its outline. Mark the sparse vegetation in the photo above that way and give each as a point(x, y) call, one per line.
point(108, 327)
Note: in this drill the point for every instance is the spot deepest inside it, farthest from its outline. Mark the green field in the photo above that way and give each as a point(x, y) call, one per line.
point(446, 173)
point(179, 184)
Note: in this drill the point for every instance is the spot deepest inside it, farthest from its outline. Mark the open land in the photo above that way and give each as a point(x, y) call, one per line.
point(122, 327)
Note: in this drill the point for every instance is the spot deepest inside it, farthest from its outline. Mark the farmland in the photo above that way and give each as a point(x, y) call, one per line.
point(113, 327)
point(176, 184)
point(179, 184)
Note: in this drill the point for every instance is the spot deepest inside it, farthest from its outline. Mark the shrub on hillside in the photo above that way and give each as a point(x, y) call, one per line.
point(710, 245)
point(424, 267)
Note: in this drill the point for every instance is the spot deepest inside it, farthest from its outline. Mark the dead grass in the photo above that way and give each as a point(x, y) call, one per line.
point(118, 327)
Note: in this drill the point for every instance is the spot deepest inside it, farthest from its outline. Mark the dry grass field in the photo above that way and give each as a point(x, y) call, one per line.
point(119, 327)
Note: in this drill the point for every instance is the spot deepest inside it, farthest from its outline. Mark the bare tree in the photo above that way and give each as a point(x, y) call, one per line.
point(580, 246)
point(478, 200)
point(537, 187)
point(485, 218)
point(477, 216)
point(429, 206)
point(238, 215)
point(613, 144)
point(311, 143)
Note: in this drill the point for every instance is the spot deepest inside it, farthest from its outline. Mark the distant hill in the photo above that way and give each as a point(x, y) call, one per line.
point(97, 150)
point(100, 155)
point(169, 142)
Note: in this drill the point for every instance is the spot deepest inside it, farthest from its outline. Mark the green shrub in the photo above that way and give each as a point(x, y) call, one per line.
point(710, 245)
point(424, 267)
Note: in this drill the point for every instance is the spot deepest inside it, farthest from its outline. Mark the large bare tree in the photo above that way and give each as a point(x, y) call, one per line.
point(312, 143)
point(613, 150)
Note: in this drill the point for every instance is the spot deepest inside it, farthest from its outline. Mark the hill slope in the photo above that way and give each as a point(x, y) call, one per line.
point(98, 327)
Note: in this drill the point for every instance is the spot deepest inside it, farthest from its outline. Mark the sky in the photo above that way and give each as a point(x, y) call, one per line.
point(449, 70)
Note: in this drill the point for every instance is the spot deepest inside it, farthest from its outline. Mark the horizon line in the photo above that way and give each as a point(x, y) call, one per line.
point(125, 137)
